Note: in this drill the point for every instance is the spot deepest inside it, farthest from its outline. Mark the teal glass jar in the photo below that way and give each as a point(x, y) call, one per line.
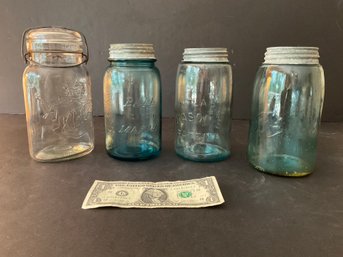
point(203, 105)
point(286, 111)
point(132, 101)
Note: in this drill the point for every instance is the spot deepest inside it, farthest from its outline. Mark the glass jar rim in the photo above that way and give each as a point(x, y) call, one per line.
point(53, 40)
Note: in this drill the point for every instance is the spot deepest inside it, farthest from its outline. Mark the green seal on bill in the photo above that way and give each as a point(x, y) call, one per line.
point(185, 194)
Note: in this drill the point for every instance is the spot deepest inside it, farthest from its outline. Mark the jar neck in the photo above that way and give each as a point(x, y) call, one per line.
point(133, 63)
point(56, 59)
point(206, 63)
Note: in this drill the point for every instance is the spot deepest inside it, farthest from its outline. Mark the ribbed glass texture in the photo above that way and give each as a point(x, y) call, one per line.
point(202, 109)
point(132, 100)
point(286, 112)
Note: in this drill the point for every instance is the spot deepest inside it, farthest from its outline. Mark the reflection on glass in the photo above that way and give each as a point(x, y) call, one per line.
point(202, 109)
point(286, 111)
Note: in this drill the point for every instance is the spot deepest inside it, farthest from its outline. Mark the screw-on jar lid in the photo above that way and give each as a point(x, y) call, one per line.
point(205, 55)
point(292, 55)
point(131, 51)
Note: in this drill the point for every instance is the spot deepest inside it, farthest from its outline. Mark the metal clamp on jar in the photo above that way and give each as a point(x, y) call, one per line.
point(57, 92)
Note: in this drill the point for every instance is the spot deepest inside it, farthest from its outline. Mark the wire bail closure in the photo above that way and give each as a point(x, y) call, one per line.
point(25, 53)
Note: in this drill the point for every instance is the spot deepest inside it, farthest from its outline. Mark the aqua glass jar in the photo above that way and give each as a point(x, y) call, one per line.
point(286, 111)
point(132, 100)
point(203, 105)
point(57, 93)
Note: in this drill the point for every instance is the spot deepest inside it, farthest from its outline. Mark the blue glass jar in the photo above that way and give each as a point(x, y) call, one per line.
point(286, 111)
point(203, 105)
point(132, 100)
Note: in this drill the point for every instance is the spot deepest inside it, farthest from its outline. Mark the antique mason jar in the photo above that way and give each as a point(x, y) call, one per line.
point(203, 104)
point(57, 92)
point(132, 101)
point(286, 110)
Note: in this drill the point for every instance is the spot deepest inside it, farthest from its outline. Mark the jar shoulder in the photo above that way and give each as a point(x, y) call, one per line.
point(292, 68)
point(37, 76)
point(205, 65)
point(80, 70)
point(112, 68)
point(197, 67)
point(291, 77)
point(114, 72)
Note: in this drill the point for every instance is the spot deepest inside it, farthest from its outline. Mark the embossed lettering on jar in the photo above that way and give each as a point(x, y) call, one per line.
point(132, 101)
point(286, 111)
point(57, 92)
point(202, 105)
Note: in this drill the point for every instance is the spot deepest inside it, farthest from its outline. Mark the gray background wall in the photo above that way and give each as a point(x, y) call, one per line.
point(246, 27)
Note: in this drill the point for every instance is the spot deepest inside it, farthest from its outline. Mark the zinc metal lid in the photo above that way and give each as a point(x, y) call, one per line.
point(131, 51)
point(291, 55)
point(211, 54)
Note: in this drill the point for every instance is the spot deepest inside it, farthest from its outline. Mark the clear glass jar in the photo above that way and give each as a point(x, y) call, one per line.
point(203, 105)
point(57, 94)
point(132, 99)
point(286, 111)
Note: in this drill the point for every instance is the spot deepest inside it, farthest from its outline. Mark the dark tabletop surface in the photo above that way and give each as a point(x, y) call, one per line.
point(264, 215)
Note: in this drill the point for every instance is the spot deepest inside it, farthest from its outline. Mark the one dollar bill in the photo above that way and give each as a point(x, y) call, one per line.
point(194, 193)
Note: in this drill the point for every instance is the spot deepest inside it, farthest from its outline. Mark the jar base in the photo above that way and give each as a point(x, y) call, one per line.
point(282, 165)
point(134, 153)
point(63, 152)
point(203, 153)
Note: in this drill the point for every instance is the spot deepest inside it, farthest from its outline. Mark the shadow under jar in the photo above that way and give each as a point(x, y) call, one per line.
point(203, 105)
point(132, 103)
point(286, 111)
point(57, 94)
